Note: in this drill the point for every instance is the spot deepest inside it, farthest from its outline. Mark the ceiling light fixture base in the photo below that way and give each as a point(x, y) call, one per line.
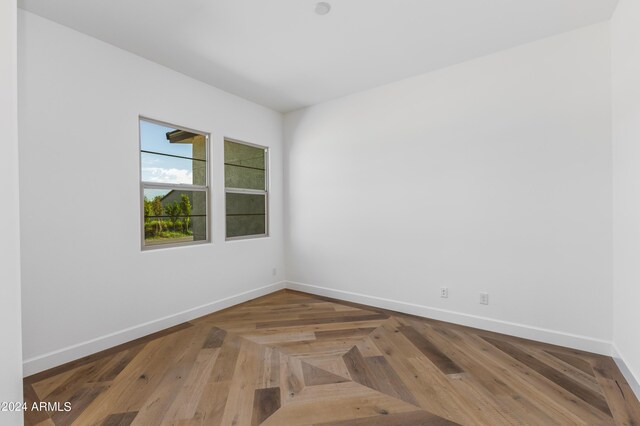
point(323, 8)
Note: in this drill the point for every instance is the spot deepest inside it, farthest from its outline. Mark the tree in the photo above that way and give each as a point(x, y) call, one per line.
point(157, 209)
point(148, 210)
point(185, 206)
point(174, 210)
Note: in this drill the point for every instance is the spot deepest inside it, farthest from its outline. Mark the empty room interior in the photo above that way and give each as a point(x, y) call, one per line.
point(291, 212)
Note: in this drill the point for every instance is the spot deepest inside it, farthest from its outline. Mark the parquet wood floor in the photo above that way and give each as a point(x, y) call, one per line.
point(291, 358)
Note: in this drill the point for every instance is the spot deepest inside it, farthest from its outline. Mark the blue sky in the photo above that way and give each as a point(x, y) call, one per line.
point(158, 168)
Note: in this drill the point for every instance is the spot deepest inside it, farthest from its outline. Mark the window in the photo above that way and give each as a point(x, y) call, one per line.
point(174, 185)
point(246, 194)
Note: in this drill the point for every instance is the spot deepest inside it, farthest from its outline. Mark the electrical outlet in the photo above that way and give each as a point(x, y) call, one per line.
point(444, 292)
point(274, 272)
point(484, 298)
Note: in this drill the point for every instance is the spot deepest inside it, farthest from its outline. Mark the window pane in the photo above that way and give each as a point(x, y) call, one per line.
point(244, 166)
point(245, 215)
point(170, 155)
point(174, 216)
point(163, 169)
point(171, 141)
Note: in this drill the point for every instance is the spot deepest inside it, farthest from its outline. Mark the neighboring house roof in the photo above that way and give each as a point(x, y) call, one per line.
point(170, 194)
point(180, 136)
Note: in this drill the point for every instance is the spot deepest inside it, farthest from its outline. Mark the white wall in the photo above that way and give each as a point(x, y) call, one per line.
point(493, 175)
point(626, 184)
point(86, 283)
point(10, 340)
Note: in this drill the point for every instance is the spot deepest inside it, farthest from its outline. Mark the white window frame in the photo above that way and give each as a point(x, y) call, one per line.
point(180, 187)
point(265, 192)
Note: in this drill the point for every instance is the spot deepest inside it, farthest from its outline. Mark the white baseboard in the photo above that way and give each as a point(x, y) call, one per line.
point(61, 356)
point(554, 337)
point(43, 362)
point(634, 382)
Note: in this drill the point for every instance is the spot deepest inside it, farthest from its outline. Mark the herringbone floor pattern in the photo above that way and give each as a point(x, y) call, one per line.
point(294, 359)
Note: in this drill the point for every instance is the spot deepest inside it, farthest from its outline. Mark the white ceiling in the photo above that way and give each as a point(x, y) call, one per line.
point(280, 54)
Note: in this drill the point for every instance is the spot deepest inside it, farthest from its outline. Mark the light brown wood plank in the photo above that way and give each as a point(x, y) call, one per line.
point(314, 376)
point(554, 375)
point(434, 354)
point(414, 418)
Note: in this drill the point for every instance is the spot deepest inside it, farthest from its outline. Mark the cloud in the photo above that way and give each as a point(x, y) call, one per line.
point(147, 160)
point(161, 175)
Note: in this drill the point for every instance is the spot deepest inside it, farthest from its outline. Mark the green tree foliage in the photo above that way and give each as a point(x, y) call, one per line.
point(174, 211)
point(148, 210)
point(185, 206)
point(157, 209)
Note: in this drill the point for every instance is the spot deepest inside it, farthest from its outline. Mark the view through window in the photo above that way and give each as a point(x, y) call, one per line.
point(246, 182)
point(174, 184)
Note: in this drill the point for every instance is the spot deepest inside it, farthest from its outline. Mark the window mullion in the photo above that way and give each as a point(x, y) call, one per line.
point(245, 191)
point(175, 186)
